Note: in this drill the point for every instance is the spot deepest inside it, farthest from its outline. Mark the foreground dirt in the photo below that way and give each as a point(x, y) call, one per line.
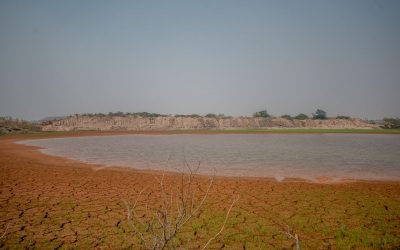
point(50, 203)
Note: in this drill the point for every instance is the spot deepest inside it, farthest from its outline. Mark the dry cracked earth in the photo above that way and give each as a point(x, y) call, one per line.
point(53, 203)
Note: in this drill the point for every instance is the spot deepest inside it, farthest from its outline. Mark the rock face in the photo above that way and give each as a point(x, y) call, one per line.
point(137, 123)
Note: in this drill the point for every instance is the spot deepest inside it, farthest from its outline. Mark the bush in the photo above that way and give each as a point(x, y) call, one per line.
point(146, 114)
point(343, 117)
point(391, 122)
point(211, 115)
point(262, 113)
point(191, 116)
point(301, 116)
point(319, 114)
point(5, 118)
point(287, 117)
point(119, 113)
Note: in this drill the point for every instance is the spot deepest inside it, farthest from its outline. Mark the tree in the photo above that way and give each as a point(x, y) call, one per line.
point(211, 115)
point(391, 122)
point(158, 217)
point(343, 117)
point(287, 117)
point(119, 113)
point(262, 113)
point(301, 116)
point(319, 114)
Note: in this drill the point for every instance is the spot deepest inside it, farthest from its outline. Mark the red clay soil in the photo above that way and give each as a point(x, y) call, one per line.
point(50, 202)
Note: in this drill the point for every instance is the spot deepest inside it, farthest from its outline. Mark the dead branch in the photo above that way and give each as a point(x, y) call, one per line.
point(293, 236)
point(223, 224)
point(166, 219)
point(5, 231)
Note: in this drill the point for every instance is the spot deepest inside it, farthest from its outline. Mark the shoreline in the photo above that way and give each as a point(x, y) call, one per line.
point(75, 133)
point(49, 202)
point(98, 167)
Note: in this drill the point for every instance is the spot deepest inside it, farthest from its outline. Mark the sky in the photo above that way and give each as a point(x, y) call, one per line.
point(185, 57)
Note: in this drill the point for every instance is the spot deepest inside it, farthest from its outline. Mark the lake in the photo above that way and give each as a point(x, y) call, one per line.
point(308, 156)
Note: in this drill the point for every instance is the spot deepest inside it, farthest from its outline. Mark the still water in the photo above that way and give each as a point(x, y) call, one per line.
point(307, 156)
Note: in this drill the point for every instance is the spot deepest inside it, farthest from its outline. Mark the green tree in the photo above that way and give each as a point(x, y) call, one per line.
point(211, 115)
point(391, 122)
point(343, 117)
point(118, 113)
point(301, 116)
point(287, 117)
point(319, 114)
point(262, 113)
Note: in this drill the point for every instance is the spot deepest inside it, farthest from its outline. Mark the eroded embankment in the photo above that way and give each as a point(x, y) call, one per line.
point(137, 123)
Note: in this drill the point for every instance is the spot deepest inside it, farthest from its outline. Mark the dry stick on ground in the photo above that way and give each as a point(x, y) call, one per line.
point(167, 220)
point(132, 211)
point(5, 231)
point(291, 235)
point(223, 225)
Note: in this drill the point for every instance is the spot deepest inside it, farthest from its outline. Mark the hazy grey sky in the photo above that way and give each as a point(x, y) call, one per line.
point(232, 57)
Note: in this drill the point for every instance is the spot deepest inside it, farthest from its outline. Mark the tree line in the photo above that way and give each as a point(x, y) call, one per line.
point(318, 114)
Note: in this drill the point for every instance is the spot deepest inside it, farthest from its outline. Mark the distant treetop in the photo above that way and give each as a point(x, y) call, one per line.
point(287, 117)
point(262, 113)
point(391, 122)
point(191, 116)
point(301, 116)
point(211, 115)
point(119, 113)
point(319, 114)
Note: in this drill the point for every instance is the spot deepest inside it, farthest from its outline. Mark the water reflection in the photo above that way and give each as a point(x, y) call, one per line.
point(275, 155)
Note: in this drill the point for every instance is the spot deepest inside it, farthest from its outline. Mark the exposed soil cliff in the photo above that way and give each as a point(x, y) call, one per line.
point(84, 122)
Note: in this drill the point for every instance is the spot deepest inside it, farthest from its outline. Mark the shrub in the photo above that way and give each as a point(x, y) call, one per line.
point(262, 113)
point(159, 224)
point(319, 114)
point(192, 115)
point(146, 114)
point(119, 113)
point(391, 122)
point(287, 117)
point(343, 117)
point(301, 116)
point(211, 115)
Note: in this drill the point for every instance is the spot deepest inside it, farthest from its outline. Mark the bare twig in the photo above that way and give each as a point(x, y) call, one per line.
point(293, 236)
point(223, 225)
point(175, 208)
point(5, 231)
point(137, 231)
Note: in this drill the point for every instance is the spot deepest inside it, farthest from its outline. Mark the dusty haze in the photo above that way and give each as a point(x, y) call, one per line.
point(231, 57)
